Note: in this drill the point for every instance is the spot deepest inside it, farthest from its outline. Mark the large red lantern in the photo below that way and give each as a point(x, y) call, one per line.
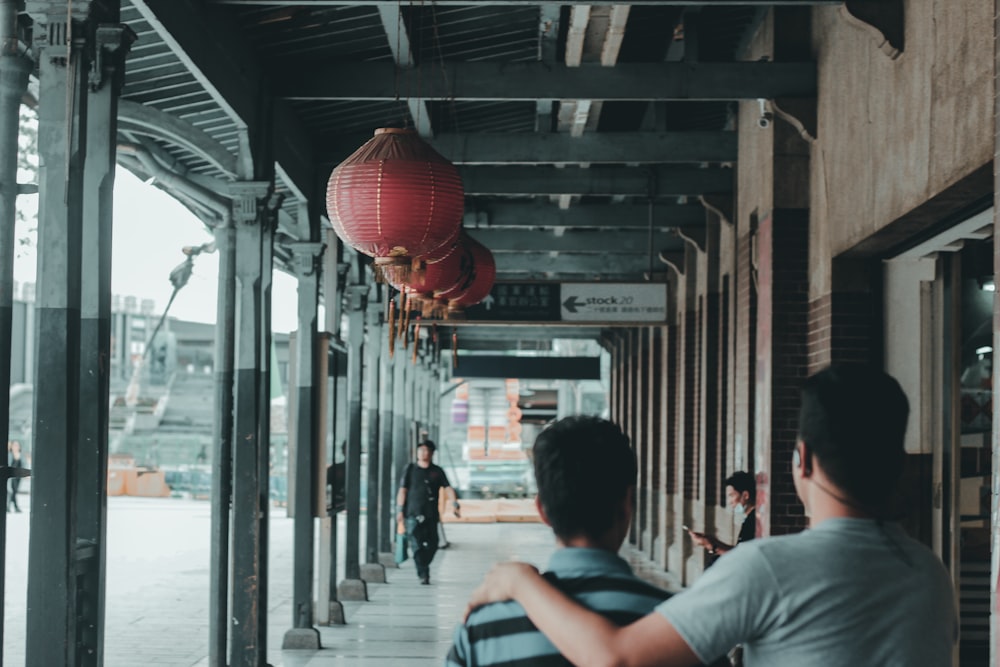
point(394, 199)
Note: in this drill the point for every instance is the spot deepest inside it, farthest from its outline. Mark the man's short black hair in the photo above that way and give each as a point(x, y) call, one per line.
point(853, 420)
point(584, 467)
point(742, 481)
point(428, 443)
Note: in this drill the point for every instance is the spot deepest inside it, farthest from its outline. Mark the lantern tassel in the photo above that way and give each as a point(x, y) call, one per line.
point(454, 349)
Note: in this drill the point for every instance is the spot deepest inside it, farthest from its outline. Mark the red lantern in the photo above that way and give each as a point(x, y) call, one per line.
point(480, 279)
point(394, 199)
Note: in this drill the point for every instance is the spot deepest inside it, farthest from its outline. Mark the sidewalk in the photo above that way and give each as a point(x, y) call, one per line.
point(157, 590)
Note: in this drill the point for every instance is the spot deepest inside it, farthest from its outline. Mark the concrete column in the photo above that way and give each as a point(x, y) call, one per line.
point(111, 43)
point(353, 587)
point(372, 570)
point(387, 487)
point(329, 610)
point(222, 446)
point(995, 435)
point(65, 563)
point(248, 639)
point(303, 635)
point(401, 447)
point(14, 71)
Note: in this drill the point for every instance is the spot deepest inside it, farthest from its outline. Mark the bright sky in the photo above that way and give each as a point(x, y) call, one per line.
point(150, 228)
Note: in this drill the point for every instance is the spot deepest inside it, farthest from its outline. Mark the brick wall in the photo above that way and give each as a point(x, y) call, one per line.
point(788, 359)
point(690, 353)
point(672, 370)
point(745, 361)
point(844, 327)
point(713, 399)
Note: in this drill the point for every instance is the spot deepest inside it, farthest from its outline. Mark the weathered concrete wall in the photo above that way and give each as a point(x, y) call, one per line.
point(894, 133)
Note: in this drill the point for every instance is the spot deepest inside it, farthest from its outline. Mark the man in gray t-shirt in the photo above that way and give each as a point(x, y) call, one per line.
point(851, 590)
point(847, 592)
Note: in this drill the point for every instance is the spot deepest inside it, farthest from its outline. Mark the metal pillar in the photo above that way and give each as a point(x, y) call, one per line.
point(79, 84)
point(353, 587)
point(303, 635)
point(329, 610)
point(400, 433)
point(248, 625)
point(222, 446)
point(372, 571)
point(111, 42)
point(387, 498)
point(14, 71)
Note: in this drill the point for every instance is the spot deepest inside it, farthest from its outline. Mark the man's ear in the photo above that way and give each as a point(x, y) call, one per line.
point(541, 511)
point(802, 459)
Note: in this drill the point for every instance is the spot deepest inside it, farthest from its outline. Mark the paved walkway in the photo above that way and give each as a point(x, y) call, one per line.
point(157, 591)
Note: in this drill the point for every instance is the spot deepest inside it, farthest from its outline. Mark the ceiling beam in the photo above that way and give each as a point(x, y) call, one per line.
point(598, 181)
point(560, 148)
point(616, 242)
point(210, 47)
point(606, 216)
point(504, 3)
point(659, 272)
point(541, 263)
point(530, 81)
point(164, 127)
point(399, 44)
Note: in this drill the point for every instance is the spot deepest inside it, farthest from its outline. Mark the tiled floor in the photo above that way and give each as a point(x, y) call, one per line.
point(157, 591)
point(405, 624)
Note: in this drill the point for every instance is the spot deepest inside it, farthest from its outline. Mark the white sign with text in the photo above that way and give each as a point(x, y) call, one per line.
point(614, 302)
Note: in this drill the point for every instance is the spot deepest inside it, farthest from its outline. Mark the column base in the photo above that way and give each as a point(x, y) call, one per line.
point(334, 614)
point(373, 573)
point(301, 639)
point(353, 589)
point(388, 560)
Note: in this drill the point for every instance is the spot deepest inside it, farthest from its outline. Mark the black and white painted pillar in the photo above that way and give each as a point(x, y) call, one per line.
point(372, 570)
point(306, 258)
point(222, 445)
point(77, 112)
point(15, 68)
point(248, 607)
point(386, 490)
point(401, 451)
point(110, 44)
point(353, 587)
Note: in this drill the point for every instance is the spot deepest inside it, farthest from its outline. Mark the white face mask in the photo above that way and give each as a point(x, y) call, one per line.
point(739, 510)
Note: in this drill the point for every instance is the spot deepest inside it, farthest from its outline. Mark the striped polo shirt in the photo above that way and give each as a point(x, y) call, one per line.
point(500, 635)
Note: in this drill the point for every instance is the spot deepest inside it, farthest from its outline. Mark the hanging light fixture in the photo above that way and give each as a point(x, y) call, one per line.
point(394, 199)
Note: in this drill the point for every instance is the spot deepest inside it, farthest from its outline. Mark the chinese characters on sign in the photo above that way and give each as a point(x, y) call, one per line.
point(582, 302)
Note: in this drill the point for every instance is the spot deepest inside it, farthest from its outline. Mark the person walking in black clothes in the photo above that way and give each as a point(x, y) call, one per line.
point(417, 506)
point(14, 461)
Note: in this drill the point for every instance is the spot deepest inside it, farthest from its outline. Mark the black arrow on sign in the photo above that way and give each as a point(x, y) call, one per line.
point(571, 304)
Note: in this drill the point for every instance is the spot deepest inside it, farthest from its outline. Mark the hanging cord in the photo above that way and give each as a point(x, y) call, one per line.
point(444, 74)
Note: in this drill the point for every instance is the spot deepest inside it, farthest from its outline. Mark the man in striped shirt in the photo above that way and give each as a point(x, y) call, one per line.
point(586, 475)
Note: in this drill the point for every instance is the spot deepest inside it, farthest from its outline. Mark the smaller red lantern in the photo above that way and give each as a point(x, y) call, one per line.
point(480, 279)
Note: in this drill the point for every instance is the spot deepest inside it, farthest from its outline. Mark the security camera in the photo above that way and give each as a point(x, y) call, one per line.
point(765, 118)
